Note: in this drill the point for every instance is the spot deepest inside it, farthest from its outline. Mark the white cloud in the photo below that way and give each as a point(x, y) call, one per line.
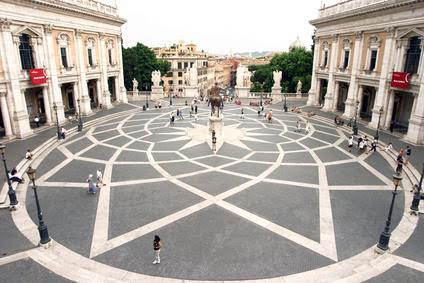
point(219, 26)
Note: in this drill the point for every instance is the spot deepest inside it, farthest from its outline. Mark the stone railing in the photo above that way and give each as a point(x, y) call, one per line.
point(90, 4)
point(344, 6)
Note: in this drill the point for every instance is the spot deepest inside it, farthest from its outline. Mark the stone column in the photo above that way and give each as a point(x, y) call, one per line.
point(104, 77)
point(383, 86)
point(389, 111)
point(360, 98)
point(5, 114)
point(82, 77)
point(99, 92)
point(122, 91)
point(313, 98)
point(47, 107)
point(12, 71)
point(416, 122)
point(53, 82)
point(336, 96)
point(331, 89)
point(353, 86)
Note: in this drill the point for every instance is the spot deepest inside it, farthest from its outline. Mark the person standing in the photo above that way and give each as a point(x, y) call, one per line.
point(157, 244)
point(37, 121)
point(408, 154)
point(171, 119)
point(242, 114)
point(91, 187)
point(28, 155)
point(350, 143)
point(389, 147)
point(298, 126)
point(307, 127)
point(195, 109)
point(62, 133)
point(360, 139)
point(99, 178)
point(373, 146)
point(399, 161)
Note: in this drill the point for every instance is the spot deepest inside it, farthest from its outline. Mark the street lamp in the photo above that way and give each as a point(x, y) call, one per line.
point(417, 196)
point(383, 243)
point(355, 123)
point(80, 125)
point(285, 103)
point(380, 112)
point(42, 228)
point(57, 121)
point(261, 100)
point(170, 97)
point(11, 192)
point(213, 140)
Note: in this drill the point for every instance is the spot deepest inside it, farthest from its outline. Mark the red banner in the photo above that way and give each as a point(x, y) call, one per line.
point(38, 76)
point(400, 80)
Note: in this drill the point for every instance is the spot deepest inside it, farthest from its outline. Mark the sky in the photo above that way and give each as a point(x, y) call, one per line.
point(219, 26)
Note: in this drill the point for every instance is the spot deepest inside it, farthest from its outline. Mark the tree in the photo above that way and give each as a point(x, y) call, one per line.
point(139, 62)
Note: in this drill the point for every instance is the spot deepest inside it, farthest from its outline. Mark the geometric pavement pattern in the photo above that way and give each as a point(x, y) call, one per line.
point(308, 201)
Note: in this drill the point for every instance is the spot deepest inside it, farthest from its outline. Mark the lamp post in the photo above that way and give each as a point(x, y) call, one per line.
point(170, 98)
point(57, 121)
point(147, 96)
point(42, 228)
point(380, 112)
point(11, 192)
point(213, 140)
point(80, 125)
point(417, 196)
point(261, 103)
point(355, 123)
point(383, 243)
point(285, 103)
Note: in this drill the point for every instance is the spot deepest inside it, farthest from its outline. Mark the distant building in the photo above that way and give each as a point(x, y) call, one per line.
point(56, 55)
point(368, 62)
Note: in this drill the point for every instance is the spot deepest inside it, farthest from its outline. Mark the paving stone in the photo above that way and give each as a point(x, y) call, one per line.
point(351, 174)
point(292, 146)
point(325, 137)
point(197, 151)
point(106, 135)
point(326, 129)
point(292, 135)
point(69, 214)
point(412, 249)
point(76, 171)
point(100, 152)
point(331, 154)
point(27, 270)
point(213, 250)
point(248, 168)
point(126, 172)
point(377, 161)
point(303, 174)
point(134, 206)
point(54, 158)
point(359, 218)
point(178, 168)
point(258, 146)
point(399, 273)
point(139, 145)
point(11, 239)
point(132, 156)
point(137, 135)
point(105, 127)
point(284, 205)
point(134, 123)
point(76, 147)
point(262, 156)
point(169, 146)
point(220, 182)
point(214, 161)
point(298, 157)
point(119, 141)
point(165, 156)
point(311, 143)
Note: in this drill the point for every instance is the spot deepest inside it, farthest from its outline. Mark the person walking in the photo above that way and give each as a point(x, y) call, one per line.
point(269, 116)
point(99, 178)
point(157, 244)
point(400, 162)
point(408, 154)
point(350, 143)
point(28, 155)
point(298, 126)
point(307, 127)
point(373, 146)
point(171, 119)
point(242, 114)
point(37, 121)
point(360, 139)
point(91, 187)
point(180, 116)
point(389, 147)
point(195, 109)
point(62, 133)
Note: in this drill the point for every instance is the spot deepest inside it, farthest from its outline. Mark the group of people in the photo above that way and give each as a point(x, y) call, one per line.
point(363, 144)
point(92, 187)
point(299, 127)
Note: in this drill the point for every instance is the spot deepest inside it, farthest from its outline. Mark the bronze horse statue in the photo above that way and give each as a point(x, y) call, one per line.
point(215, 100)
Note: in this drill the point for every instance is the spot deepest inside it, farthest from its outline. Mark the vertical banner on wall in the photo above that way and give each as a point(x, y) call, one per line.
point(38, 76)
point(400, 80)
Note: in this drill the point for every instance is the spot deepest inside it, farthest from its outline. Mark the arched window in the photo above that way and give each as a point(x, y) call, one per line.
point(25, 50)
point(413, 55)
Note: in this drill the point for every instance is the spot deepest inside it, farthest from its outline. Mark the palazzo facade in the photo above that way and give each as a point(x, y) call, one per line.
point(75, 45)
point(360, 48)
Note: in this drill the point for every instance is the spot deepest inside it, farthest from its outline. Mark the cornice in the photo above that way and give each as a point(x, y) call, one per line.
point(386, 5)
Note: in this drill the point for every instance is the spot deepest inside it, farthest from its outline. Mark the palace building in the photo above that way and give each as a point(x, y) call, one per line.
point(369, 63)
point(57, 57)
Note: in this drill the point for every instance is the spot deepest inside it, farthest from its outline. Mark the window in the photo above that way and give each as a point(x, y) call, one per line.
point(180, 65)
point(64, 57)
point(185, 65)
point(346, 59)
point(90, 56)
point(325, 58)
point(170, 82)
point(180, 82)
point(373, 60)
point(180, 74)
point(191, 64)
point(413, 55)
point(25, 50)
point(110, 56)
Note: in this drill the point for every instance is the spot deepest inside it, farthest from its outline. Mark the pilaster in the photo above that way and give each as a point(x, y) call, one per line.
point(5, 114)
point(353, 86)
point(106, 102)
point(313, 98)
point(331, 89)
point(82, 84)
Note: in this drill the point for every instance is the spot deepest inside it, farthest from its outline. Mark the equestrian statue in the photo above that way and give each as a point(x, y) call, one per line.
point(215, 100)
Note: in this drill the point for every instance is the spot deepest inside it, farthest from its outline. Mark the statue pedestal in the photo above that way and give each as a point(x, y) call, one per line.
point(157, 93)
point(276, 91)
point(217, 124)
point(243, 92)
point(191, 91)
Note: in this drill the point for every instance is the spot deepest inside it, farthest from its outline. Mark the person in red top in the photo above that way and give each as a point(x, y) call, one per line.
point(157, 244)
